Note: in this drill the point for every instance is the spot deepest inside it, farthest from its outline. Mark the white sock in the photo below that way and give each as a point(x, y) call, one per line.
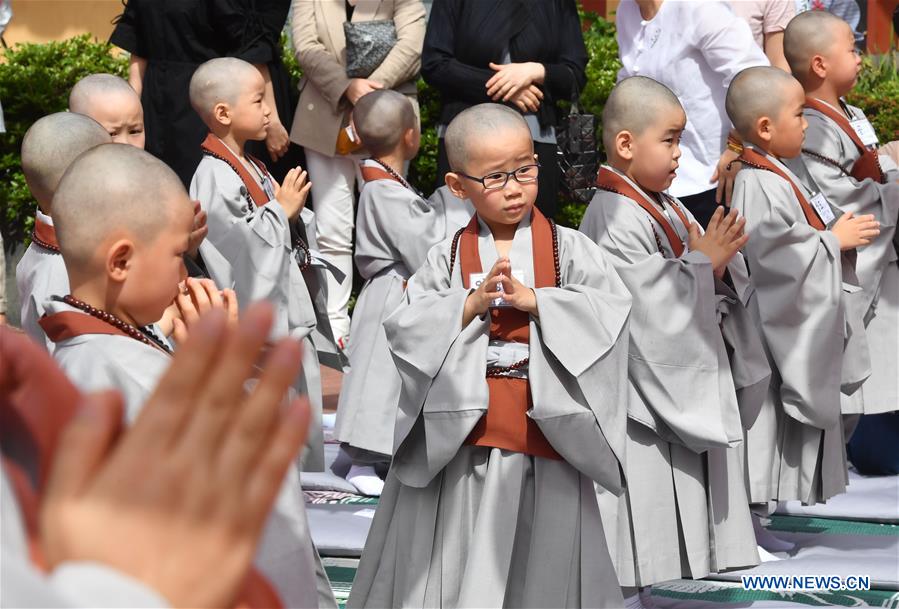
point(767, 540)
point(366, 481)
point(766, 556)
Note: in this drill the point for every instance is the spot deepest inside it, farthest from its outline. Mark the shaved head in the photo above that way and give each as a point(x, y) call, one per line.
point(83, 94)
point(51, 145)
point(112, 188)
point(219, 80)
point(808, 34)
point(634, 104)
point(382, 118)
point(757, 92)
point(483, 120)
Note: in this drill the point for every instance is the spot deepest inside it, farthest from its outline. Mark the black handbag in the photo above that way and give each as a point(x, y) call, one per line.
point(367, 45)
point(577, 153)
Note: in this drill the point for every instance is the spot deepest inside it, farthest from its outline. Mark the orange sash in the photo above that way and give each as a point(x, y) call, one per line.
point(370, 174)
point(213, 146)
point(44, 235)
point(69, 324)
point(506, 424)
point(868, 164)
point(751, 158)
point(612, 182)
point(37, 401)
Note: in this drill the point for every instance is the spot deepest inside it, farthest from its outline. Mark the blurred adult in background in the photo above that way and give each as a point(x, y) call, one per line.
point(528, 55)
point(695, 49)
point(767, 19)
point(5, 16)
point(169, 39)
point(327, 97)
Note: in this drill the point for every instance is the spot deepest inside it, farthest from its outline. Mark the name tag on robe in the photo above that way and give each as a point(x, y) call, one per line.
point(865, 131)
point(825, 212)
point(476, 279)
point(268, 187)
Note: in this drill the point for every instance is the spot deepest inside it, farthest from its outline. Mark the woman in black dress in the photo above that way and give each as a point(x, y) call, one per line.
point(528, 54)
point(169, 39)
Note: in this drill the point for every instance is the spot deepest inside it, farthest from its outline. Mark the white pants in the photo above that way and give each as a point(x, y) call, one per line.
point(333, 193)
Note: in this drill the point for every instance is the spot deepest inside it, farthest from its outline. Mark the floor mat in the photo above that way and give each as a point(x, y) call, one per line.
point(870, 498)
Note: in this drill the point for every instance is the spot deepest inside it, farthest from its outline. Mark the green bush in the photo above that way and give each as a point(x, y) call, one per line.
point(35, 80)
point(877, 93)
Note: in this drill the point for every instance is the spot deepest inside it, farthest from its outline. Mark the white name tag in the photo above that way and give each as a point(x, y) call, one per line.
point(823, 208)
point(865, 131)
point(268, 187)
point(476, 279)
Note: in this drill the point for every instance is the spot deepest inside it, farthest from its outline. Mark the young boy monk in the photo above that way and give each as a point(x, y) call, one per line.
point(257, 225)
point(49, 147)
point(123, 272)
point(395, 228)
point(512, 350)
point(112, 102)
point(840, 151)
point(684, 512)
point(800, 259)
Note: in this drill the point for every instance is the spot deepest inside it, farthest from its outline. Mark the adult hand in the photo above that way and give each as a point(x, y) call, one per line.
point(512, 77)
point(528, 99)
point(359, 87)
point(180, 500)
point(725, 173)
point(277, 141)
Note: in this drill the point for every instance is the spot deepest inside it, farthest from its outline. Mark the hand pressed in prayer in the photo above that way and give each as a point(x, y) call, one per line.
point(293, 191)
point(478, 302)
point(198, 232)
point(517, 294)
point(854, 231)
point(723, 238)
point(195, 298)
point(178, 501)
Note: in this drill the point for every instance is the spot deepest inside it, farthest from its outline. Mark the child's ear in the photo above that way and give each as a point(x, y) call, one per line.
point(221, 113)
point(454, 183)
point(818, 66)
point(118, 260)
point(764, 128)
point(624, 141)
point(409, 137)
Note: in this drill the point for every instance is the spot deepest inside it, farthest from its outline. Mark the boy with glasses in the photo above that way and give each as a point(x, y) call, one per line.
point(512, 403)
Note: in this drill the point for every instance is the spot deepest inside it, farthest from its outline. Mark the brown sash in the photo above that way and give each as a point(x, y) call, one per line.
point(37, 402)
point(506, 424)
point(69, 324)
point(752, 158)
point(612, 182)
point(215, 147)
point(44, 235)
point(370, 174)
point(867, 166)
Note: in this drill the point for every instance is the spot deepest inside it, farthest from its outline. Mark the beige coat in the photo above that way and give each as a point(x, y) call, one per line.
point(319, 43)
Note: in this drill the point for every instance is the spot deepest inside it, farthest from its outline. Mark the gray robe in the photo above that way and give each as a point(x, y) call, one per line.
point(877, 266)
point(469, 526)
point(684, 512)
point(395, 228)
point(807, 304)
point(40, 274)
point(96, 362)
point(257, 243)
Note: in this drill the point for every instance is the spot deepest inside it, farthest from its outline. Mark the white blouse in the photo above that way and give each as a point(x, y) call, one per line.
point(695, 48)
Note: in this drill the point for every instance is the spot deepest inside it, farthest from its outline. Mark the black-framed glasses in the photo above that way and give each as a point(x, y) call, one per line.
point(498, 179)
